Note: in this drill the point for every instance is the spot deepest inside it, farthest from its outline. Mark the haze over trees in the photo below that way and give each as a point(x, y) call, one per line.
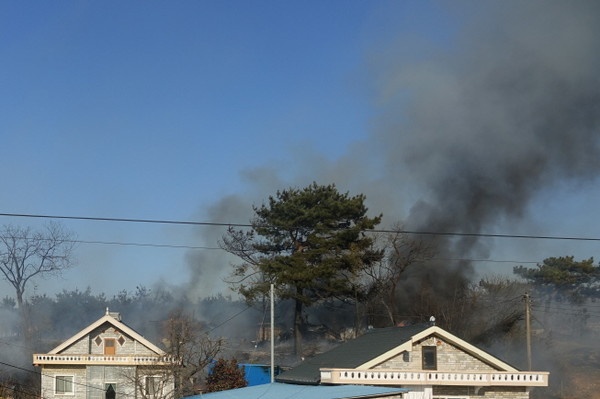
point(385, 277)
point(310, 243)
point(564, 277)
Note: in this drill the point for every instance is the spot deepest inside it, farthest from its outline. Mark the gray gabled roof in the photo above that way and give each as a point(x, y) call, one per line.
point(351, 354)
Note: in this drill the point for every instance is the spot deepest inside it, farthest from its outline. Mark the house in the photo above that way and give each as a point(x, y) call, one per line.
point(425, 359)
point(105, 360)
point(257, 374)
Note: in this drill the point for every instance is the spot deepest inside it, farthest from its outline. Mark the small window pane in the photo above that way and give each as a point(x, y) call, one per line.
point(152, 386)
point(110, 391)
point(429, 358)
point(64, 384)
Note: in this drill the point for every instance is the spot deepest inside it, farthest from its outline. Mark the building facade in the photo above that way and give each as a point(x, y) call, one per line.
point(106, 360)
point(428, 361)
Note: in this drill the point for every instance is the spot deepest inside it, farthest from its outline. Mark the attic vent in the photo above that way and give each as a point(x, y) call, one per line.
point(98, 340)
point(121, 340)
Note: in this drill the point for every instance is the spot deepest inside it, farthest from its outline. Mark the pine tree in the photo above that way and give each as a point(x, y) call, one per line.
point(310, 243)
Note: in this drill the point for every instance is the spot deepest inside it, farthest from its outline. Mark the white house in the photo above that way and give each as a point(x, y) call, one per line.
point(429, 362)
point(106, 360)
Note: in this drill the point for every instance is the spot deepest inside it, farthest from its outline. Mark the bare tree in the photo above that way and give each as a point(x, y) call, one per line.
point(385, 277)
point(25, 254)
point(150, 382)
point(188, 353)
point(193, 349)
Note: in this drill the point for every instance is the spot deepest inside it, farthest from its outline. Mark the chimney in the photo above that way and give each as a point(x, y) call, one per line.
point(114, 315)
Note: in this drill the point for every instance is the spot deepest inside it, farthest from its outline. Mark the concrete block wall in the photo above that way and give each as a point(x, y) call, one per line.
point(123, 376)
point(49, 374)
point(78, 348)
point(505, 393)
point(449, 358)
point(88, 344)
point(483, 393)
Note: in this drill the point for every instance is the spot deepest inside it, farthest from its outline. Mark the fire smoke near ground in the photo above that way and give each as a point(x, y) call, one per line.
point(469, 131)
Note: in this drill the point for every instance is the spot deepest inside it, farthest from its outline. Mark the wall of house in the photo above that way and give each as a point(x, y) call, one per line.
point(125, 345)
point(449, 358)
point(80, 347)
point(483, 393)
point(505, 393)
point(90, 381)
point(79, 383)
point(166, 385)
point(123, 376)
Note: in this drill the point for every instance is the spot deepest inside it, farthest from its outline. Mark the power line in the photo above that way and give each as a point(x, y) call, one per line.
point(21, 391)
point(222, 224)
point(120, 243)
point(487, 260)
point(563, 311)
point(199, 247)
point(126, 220)
point(53, 376)
point(229, 319)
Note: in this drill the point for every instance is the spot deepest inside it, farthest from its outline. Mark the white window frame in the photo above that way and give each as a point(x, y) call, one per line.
point(64, 379)
point(116, 385)
point(157, 393)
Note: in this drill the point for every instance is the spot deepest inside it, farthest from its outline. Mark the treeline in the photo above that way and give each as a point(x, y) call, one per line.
point(51, 319)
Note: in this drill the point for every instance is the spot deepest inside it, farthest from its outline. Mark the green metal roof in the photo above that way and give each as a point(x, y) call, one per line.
point(351, 354)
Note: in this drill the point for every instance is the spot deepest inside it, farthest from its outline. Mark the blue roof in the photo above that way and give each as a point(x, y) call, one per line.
point(257, 374)
point(278, 390)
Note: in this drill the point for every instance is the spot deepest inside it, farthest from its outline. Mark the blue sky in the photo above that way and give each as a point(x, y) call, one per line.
point(168, 110)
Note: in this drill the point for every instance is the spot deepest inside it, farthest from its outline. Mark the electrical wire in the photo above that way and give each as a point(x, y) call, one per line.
point(193, 247)
point(223, 224)
point(94, 387)
point(229, 319)
point(16, 390)
point(564, 311)
point(52, 376)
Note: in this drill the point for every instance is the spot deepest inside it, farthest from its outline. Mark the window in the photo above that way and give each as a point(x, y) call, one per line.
point(406, 356)
point(429, 357)
point(110, 391)
point(153, 386)
point(109, 346)
point(63, 384)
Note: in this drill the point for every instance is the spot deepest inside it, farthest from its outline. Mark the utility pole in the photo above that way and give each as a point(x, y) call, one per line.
point(272, 334)
point(527, 300)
